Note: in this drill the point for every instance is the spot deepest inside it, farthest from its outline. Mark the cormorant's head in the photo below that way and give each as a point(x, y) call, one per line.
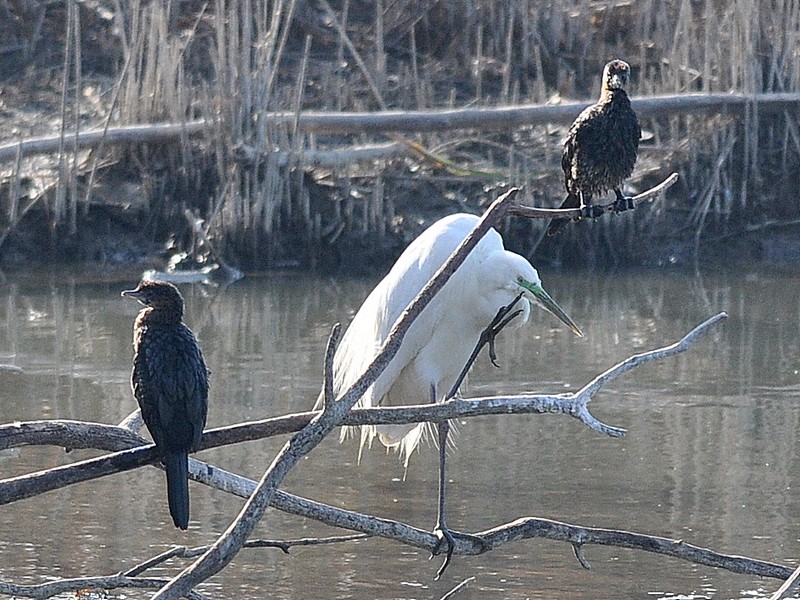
point(158, 295)
point(615, 75)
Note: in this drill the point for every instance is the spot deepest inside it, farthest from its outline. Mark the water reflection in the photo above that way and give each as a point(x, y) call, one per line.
point(710, 456)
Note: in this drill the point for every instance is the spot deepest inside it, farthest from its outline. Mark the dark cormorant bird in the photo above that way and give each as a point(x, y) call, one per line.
point(601, 146)
point(170, 382)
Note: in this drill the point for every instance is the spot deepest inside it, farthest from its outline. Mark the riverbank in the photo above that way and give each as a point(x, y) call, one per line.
point(266, 198)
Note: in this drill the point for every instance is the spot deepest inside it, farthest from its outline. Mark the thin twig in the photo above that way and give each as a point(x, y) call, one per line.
point(531, 212)
point(461, 586)
point(283, 545)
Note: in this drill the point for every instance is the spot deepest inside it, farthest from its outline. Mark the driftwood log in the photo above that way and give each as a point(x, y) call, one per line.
point(483, 119)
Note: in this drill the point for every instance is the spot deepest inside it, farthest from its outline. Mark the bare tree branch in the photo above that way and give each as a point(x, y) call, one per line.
point(62, 586)
point(67, 433)
point(133, 422)
point(487, 119)
point(327, 376)
point(788, 586)
point(639, 359)
point(76, 434)
point(531, 212)
point(529, 527)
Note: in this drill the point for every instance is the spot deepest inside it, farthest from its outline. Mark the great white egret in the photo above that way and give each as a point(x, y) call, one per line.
point(170, 383)
point(440, 341)
point(600, 150)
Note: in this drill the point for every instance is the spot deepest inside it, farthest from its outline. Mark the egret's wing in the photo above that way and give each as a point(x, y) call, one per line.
point(376, 317)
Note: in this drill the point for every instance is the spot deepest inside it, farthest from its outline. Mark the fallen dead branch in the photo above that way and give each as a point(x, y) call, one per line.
point(496, 118)
point(484, 119)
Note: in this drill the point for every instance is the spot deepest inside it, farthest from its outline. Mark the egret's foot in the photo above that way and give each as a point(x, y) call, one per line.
point(591, 211)
point(443, 533)
point(503, 317)
point(623, 203)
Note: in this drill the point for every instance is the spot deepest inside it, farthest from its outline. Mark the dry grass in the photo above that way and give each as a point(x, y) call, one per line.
point(232, 61)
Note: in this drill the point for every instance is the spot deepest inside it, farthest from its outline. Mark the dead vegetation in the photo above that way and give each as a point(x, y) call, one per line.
point(258, 183)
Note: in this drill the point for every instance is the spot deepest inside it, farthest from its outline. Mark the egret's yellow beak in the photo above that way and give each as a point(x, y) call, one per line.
point(544, 299)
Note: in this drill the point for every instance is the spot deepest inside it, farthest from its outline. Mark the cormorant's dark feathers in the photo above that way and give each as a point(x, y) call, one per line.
point(170, 383)
point(600, 151)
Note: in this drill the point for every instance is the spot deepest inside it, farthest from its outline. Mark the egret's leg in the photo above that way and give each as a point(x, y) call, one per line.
point(503, 317)
point(441, 531)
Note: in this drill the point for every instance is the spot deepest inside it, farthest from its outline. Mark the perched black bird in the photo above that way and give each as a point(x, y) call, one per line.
point(601, 146)
point(170, 382)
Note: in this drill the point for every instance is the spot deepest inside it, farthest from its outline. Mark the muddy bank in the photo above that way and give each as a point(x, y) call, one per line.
point(265, 203)
point(123, 237)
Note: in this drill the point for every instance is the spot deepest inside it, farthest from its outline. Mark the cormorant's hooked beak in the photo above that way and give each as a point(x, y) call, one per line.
point(549, 304)
point(135, 294)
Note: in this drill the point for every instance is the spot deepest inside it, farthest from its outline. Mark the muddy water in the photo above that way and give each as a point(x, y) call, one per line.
point(710, 457)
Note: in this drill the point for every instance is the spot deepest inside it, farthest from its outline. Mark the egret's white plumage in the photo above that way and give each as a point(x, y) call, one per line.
point(440, 341)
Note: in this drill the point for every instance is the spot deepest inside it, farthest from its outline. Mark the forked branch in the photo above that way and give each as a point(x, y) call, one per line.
point(76, 434)
point(575, 405)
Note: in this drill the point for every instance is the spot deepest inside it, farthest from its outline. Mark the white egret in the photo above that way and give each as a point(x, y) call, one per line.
point(441, 340)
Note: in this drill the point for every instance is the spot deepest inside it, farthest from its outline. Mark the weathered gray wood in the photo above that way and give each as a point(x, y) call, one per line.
point(83, 435)
point(491, 118)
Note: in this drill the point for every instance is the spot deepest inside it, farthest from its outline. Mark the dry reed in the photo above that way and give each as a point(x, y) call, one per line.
point(230, 62)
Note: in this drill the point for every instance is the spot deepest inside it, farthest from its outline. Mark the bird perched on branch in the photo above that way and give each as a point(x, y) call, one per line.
point(170, 383)
point(600, 150)
point(440, 341)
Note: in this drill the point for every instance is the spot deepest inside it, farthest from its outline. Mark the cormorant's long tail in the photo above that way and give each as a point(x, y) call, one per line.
point(571, 201)
point(177, 466)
